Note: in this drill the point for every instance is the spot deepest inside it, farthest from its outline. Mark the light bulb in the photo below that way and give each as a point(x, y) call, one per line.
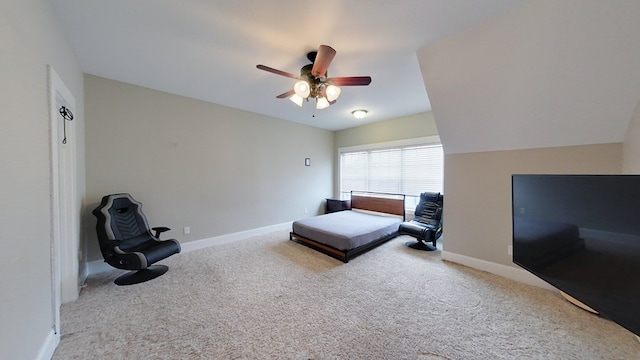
point(332, 92)
point(302, 89)
point(322, 103)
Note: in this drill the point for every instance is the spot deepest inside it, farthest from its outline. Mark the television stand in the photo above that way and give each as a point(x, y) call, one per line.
point(577, 302)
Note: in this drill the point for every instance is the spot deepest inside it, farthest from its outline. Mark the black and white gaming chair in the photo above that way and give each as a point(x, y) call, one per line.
point(126, 241)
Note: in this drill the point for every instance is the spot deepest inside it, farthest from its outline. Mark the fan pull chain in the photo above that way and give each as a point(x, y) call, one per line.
point(66, 115)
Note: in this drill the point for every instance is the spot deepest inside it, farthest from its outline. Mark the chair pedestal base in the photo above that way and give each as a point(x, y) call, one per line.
point(139, 276)
point(420, 246)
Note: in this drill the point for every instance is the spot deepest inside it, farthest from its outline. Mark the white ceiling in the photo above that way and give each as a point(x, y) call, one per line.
point(208, 50)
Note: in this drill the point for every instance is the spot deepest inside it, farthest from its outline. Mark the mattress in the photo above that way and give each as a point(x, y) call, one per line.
point(345, 230)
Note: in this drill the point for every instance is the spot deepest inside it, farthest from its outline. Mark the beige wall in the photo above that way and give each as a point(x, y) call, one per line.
point(406, 127)
point(402, 128)
point(477, 209)
point(31, 39)
point(215, 169)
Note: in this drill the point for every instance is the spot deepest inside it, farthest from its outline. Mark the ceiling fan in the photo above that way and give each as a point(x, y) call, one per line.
point(313, 82)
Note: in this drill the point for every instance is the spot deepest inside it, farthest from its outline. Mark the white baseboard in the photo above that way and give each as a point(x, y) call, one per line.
point(98, 266)
point(229, 238)
point(48, 346)
point(508, 272)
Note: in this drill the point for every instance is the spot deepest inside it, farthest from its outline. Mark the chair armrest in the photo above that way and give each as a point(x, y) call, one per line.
point(159, 230)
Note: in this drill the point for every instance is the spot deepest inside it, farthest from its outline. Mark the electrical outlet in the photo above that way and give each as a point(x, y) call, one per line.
point(510, 250)
point(186, 230)
point(305, 210)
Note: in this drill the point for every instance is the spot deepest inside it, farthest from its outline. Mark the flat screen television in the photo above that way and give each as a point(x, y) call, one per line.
point(581, 234)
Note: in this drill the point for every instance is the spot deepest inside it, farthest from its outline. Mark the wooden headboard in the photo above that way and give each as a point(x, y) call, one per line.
point(379, 202)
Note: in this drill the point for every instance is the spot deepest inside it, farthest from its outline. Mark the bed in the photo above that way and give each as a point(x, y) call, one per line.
point(373, 219)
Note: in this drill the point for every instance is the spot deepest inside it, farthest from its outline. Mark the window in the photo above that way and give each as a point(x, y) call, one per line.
point(409, 168)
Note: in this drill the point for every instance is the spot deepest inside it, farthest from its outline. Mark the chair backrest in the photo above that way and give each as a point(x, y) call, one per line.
point(120, 217)
point(429, 209)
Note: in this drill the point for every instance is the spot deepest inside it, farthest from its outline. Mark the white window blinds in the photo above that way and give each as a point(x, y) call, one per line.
point(408, 170)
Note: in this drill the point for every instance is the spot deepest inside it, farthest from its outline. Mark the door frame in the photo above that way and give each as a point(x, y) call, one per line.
point(64, 208)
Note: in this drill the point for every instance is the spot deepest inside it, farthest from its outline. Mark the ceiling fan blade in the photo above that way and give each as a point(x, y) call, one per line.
point(323, 59)
point(277, 72)
point(350, 81)
point(286, 94)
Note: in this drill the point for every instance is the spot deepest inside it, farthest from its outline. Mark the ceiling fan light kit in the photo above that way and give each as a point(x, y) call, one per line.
point(297, 99)
point(302, 89)
point(332, 92)
point(322, 103)
point(313, 82)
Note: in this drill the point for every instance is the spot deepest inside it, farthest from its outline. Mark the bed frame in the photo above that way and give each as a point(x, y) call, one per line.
point(370, 201)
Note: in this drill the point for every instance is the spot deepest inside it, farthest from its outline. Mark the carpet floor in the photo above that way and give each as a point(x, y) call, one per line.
point(270, 298)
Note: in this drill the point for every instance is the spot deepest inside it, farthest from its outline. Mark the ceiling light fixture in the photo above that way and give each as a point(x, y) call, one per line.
point(359, 114)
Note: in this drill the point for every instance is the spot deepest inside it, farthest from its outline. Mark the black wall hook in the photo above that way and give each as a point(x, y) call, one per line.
point(66, 115)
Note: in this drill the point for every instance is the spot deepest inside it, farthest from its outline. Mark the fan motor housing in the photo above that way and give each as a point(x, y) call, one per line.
point(305, 71)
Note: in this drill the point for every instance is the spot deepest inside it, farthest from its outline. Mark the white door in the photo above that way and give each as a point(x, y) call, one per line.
point(64, 222)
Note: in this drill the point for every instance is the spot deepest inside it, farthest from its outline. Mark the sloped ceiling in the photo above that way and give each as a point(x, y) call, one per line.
point(208, 50)
point(550, 73)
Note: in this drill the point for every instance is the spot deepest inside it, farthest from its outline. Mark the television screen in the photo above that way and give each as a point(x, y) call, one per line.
point(581, 234)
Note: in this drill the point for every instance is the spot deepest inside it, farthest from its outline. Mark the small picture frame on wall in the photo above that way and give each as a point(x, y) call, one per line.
point(307, 161)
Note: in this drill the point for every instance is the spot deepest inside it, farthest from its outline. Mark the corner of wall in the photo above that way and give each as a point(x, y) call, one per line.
point(631, 145)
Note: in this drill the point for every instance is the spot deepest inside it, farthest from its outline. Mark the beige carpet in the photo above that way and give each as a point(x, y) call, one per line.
point(270, 298)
